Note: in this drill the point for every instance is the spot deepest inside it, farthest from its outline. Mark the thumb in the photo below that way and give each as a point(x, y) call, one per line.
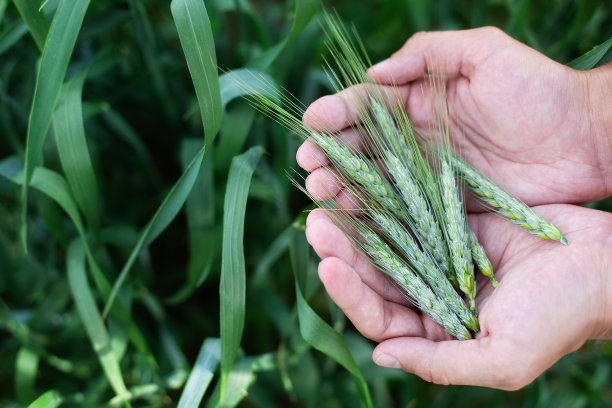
point(471, 362)
point(450, 53)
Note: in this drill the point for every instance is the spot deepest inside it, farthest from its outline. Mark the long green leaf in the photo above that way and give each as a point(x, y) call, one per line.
point(201, 374)
point(56, 54)
point(196, 38)
point(232, 288)
point(73, 151)
point(592, 57)
point(322, 336)
point(35, 20)
point(304, 11)
point(91, 319)
point(56, 187)
point(50, 399)
point(11, 35)
point(164, 215)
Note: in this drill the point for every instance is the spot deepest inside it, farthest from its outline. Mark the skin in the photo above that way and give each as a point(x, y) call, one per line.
point(536, 127)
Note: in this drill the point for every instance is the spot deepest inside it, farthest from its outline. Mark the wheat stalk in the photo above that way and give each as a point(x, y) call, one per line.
point(480, 258)
point(505, 204)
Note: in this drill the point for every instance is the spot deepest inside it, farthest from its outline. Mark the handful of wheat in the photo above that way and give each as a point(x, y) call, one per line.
point(411, 219)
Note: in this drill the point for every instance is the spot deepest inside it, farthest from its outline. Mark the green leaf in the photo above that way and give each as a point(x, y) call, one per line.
point(592, 57)
point(56, 187)
point(164, 215)
point(26, 367)
point(254, 82)
point(91, 319)
point(201, 374)
point(73, 151)
point(200, 212)
point(195, 34)
point(11, 35)
point(50, 399)
point(56, 54)
point(35, 20)
point(232, 287)
point(238, 382)
point(322, 336)
point(304, 11)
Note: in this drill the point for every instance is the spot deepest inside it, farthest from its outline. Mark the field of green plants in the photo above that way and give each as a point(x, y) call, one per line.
point(166, 262)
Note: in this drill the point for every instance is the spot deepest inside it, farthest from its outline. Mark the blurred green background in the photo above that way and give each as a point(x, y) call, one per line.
point(139, 115)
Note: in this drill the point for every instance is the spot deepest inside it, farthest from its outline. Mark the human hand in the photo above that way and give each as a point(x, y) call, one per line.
point(550, 300)
point(535, 126)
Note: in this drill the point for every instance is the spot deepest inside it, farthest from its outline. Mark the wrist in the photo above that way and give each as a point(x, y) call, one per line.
point(598, 86)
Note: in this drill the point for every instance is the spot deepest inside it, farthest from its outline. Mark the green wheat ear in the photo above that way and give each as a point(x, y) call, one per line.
point(505, 204)
point(480, 258)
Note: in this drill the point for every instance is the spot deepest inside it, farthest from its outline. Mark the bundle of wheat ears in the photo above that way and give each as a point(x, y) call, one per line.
point(408, 215)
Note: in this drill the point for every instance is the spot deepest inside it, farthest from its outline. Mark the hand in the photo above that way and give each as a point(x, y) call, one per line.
point(535, 126)
point(550, 300)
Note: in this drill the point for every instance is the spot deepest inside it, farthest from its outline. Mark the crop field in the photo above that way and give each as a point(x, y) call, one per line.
point(152, 247)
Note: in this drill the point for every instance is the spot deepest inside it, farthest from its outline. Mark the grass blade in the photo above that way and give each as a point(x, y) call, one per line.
point(11, 35)
point(35, 19)
point(592, 57)
point(201, 374)
point(56, 54)
point(50, 399)
point(56, 187)
point(91, 319)
point(73, 151)
point(232, 287)
point(321, 335)
point(164, 215)
point(195, 34)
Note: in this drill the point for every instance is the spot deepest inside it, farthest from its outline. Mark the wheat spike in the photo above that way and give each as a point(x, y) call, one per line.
point(480, 258)
point(510, 207)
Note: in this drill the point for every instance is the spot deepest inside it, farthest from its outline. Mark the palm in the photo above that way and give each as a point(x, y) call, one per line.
point(541, 310)
point(519, 128)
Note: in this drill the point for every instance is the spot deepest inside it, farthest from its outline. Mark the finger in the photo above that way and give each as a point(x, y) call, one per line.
point(376, 318)
point(324, 183)
point(329, 241)
point(332, 113)
point(472, 362)
point(451, 53)
point(311, 157)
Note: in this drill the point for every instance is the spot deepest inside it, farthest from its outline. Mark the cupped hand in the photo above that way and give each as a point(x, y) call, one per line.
point(551, 298)
point(533, 125)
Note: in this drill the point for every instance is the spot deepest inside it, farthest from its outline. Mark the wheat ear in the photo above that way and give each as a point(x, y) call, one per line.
point(510, 207)
point(420, 261)
point(456, 229)
point(389, 263)
point(480, 258)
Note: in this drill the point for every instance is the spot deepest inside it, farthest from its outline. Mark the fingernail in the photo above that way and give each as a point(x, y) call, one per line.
point(378, 66)
point(385, 360)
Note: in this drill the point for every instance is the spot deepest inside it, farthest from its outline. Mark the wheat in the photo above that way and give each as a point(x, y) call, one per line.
point(456, 229)
point(510, 207)
point(425, 299)
point(480, 258)
point(420, 261)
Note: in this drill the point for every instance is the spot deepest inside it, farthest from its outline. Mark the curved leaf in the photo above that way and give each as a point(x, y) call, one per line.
point(591, 58)
point(201, 374)
point(50, 399)
point(56, 54)
point(196, 38)
point(232, 288)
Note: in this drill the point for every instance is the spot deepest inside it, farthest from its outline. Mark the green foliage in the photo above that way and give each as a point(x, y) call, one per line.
point(134, 219)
